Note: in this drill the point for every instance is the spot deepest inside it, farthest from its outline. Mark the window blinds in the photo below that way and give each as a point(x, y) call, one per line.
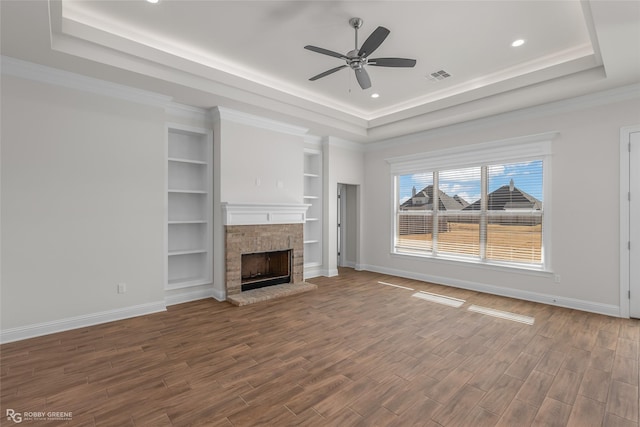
point(489, 212)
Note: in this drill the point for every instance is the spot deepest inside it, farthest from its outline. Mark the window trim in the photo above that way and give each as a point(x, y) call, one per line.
point(524, 148)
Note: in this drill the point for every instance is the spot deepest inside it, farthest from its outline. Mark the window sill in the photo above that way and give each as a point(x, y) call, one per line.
point(529, 270)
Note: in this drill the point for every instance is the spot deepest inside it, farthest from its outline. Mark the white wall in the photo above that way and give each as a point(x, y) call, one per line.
point(585, 205)
point(260, 165)
point(82, 203)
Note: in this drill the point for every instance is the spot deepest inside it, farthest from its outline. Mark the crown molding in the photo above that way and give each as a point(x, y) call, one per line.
point(187, 111)
point(610, 96)
point(40, 73)
point(313, 140)
point(235, 116)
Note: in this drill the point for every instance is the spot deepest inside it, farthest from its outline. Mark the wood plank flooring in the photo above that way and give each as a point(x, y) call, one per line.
point(352, 353)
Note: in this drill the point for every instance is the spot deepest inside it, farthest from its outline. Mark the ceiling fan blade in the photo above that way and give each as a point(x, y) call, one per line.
point(325, 52)
point(363, 78)
point(392, 62)
point(373, 42)
point(326, 73)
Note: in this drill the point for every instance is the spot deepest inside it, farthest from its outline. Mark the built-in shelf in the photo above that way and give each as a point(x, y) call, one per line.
point(189, 218)
point(185, 282)
point(173, 190)
point(313, 196)
point(188, 222)
point(187, 252)
point(195, 162)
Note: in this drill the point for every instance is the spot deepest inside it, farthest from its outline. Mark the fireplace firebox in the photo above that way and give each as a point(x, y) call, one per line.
point(265, 269)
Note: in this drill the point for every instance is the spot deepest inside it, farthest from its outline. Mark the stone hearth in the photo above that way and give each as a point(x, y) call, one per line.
point(269, 293)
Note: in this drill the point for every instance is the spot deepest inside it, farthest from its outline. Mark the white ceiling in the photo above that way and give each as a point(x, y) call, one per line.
point(250, 55)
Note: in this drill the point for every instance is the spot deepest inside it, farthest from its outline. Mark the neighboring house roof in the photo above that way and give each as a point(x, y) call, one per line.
point(460, 200)
point(423, 200)
point(508, 197)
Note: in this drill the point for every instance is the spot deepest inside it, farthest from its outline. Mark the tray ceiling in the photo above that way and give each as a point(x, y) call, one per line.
point(250, 54)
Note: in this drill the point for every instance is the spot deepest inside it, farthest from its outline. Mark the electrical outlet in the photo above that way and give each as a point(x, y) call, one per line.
point(556, 278)
point(122, 288)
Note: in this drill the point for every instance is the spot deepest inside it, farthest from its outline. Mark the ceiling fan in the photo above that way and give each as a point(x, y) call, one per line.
point(357, 59)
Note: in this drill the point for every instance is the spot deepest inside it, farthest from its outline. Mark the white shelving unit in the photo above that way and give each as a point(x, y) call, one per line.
point(189, 207)
point(313, 196)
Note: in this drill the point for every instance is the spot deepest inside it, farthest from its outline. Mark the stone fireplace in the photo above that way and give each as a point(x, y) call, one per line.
point(264, 247)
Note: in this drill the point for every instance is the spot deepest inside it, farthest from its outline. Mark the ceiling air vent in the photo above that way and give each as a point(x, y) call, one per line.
point(438, 75)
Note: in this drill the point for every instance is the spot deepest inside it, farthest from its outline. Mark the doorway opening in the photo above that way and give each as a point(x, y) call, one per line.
point(348, 230)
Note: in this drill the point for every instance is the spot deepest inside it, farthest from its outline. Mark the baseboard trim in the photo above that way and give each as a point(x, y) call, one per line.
point(46, 328)
point(188, 295)
point(331, 272)
point(311, 272)
point(560, 301)
point(219, 295)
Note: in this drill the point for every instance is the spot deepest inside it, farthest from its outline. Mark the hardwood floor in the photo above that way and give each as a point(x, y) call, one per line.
point(352, 353)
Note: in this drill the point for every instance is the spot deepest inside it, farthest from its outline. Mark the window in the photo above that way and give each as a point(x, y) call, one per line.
point(491, 210)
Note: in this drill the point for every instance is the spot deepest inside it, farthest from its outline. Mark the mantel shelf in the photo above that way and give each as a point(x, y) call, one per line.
point(265, 213)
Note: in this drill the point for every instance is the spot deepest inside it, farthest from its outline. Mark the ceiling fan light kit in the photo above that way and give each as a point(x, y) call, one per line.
point(358, 59)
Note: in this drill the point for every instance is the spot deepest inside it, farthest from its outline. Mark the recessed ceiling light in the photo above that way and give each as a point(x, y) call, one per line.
point(517, 43)
point(153, 1)
point(375, 95)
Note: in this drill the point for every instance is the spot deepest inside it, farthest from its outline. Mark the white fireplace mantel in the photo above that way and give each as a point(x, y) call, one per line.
point(263, 213)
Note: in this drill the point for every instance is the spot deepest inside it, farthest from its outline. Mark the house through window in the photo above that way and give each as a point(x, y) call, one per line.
point(491, 212)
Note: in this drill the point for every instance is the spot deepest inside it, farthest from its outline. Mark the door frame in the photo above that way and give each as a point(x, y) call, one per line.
point(340, 249)
point(625, 176)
